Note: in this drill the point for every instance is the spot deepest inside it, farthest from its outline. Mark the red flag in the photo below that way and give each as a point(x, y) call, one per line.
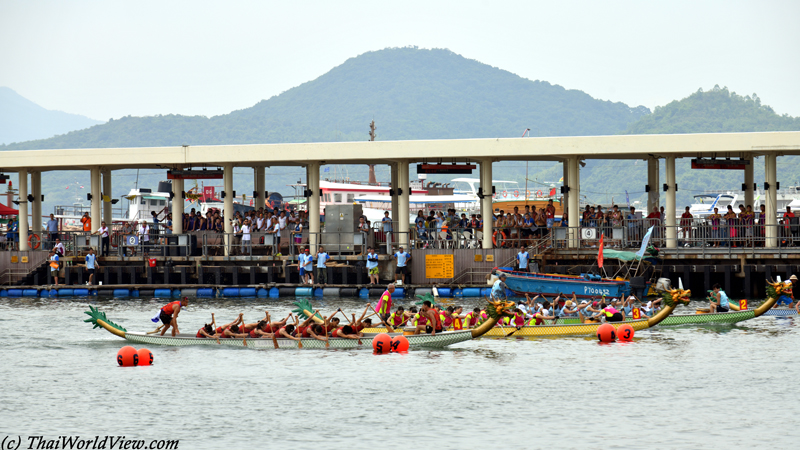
point(600, 253)
point(552, 192)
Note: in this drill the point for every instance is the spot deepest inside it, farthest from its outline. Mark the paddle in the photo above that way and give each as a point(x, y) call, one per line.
point(389, 328)
point(214, 327)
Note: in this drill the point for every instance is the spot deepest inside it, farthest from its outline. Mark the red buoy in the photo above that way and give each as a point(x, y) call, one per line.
point(400, 344)
point(145, 357)
point(625, 332)
point(382, 343)
point(127, 356)
point(606, 333)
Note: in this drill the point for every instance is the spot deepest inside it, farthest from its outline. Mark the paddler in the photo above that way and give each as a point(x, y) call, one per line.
point(384, 308)
point(433, 323)
point(398, 319)
point(473, 317)
point(589, 312)
point(169, 315)
point(346, 332)
point(612, 314)
point(458, 318)
point(719, 300)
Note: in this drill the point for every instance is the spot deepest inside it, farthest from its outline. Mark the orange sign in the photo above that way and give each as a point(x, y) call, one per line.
point(439, 266)
point(742, 304)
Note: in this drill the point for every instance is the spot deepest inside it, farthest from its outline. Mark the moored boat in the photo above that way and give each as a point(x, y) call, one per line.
point(585, 286)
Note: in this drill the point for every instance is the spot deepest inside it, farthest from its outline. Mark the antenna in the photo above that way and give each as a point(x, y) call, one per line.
point(372, 131)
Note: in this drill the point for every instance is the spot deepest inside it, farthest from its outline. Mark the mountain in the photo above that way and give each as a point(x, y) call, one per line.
point(411, 93)
point(22, 120)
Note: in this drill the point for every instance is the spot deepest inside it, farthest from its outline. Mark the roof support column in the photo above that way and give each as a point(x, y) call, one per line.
point(97, 198)
point(653, 200)
point(565, 182)
point(177, 206)
point(227, 207)
point(395, 203)
point(23, 210)
point(669, 209)
point(107, 197)
point(771, 188)
point(486, 202)
point(749, 182)
point(403, 203)
point(36, 207)
point(312, 182)
point(260, 186)
point(573, 207)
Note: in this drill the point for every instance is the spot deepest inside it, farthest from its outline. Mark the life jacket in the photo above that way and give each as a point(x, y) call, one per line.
point(519, 320)
point(447, 320)
point(200, 334)
point(385, 303)
point(397, 319)
point(472, 319)
point(169, 308)
point(609, 311)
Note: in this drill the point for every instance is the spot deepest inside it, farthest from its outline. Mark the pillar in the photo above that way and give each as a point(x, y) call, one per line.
point(669, 208)
point(312, 181)
point(107, 196)
point(177, 206)
point(565, 182)
point(260, 185)
point(573, 208)
point(486, 202)
point(403, 203)
point(97, 198)
point(395, 185)
point(653, 200)
point(23, 210)
point(36, 207)
point(228, 206)
point(771, 194)
point(748, 183)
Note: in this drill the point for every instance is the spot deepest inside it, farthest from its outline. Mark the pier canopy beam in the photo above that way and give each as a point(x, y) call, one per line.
point(227, 212)
point(23, 210)
point(97, 198)
point(107, 197)
point(312, 181)
point(403, 203)
point(486, 202)
point(771, 191)
point(177, 206)
point(36, 207)
point(669, 209)
point(260, 186)
point(573, 208)
point(749, 196)
point(653, 199)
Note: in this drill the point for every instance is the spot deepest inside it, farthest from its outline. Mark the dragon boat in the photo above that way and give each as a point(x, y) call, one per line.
point(494, 309)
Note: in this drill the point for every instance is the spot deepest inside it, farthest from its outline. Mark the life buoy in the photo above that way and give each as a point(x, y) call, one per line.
point(505, 194)
point(539, 194)
point(34, 241)
point(516, 193)
point(494, 237)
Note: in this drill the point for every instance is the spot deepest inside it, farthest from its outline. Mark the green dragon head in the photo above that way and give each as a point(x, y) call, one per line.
point(95, 315)
point(776, 289)
point(304, 308)
point(427, 297)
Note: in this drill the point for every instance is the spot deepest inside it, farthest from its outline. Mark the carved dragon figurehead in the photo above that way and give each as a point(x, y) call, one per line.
point(675, 297)
point(495, 310)
point(777, 288)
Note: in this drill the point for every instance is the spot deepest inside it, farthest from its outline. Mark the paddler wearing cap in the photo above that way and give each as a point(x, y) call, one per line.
point(570, 308)
point(499, 288)
point(169, 315)
point(590, 312)
point(788, 300)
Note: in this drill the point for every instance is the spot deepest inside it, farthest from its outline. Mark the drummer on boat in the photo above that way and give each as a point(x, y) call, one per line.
point(169, 315)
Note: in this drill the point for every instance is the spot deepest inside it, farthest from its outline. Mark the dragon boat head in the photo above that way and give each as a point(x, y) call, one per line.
point(498, 308)
point(777, 288)
point(675, 297)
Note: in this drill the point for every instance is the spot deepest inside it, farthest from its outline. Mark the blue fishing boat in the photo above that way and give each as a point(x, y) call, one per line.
point(584, 286)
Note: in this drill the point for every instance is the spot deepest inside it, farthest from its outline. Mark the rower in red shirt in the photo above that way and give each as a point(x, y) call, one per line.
point(169, 315)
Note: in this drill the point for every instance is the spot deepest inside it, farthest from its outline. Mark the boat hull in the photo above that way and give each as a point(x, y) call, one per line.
point(531, 283)
point(416, 341)
point(781, 312)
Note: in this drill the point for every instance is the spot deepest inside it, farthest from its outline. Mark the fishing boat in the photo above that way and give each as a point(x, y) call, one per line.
point(494, 310)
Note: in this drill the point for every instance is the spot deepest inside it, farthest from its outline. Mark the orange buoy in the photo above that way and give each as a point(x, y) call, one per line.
point(145, 357)
point(624, 333)
point(382, 343)
point(127, 356)
point(399, 344)
point(606, 333)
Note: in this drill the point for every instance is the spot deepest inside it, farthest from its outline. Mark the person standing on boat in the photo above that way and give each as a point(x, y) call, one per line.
point(384, 306)
point(719, 300)
point(522, 258)
point(499, 288)
point(169, 315)
point(402, 259)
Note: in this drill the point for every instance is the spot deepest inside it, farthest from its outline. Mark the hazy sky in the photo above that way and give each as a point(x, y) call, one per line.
point(109, 59)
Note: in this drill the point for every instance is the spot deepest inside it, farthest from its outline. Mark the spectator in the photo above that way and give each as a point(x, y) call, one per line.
point(104, 238)
point(322, 268)
point(87, 222)
point(52, 230)
point(402, 259)
point(372, 265)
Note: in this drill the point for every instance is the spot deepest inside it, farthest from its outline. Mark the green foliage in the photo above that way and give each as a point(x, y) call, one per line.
point(95, 315)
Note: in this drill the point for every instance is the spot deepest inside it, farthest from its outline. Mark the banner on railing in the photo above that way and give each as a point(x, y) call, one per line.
point(439, 266)
point(645, 242)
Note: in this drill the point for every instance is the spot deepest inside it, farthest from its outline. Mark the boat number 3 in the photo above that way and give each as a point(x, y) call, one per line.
point(636, 313)
point(595, 291)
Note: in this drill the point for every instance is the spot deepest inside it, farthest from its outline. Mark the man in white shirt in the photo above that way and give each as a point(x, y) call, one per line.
point(282, 220)
point(144, 235)
point(103, 232)
point(246, 237)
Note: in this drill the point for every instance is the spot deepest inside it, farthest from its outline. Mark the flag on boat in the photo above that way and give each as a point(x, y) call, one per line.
point(645, 242)
point(600, 252)
point(552, 192)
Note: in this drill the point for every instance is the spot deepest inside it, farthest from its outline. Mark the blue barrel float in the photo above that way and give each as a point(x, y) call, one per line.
point(63, 292)
point(134, 292)
point(15, 292)
point(471, 292)
point(318, 292)
point(176, 293)
point(363, 293)
point(444, 292)
point(398, 292)
point(485, 292)
point(30, 293)
point(229, 292)
point(52, 293)
point(205, 292)
point(81, 292)
point(274, 292)
point(122, 292)
point(458, 293)
point(303, 292)
point(247, 292)
point(262, 293)
point(162, 293)
point(3, 292)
